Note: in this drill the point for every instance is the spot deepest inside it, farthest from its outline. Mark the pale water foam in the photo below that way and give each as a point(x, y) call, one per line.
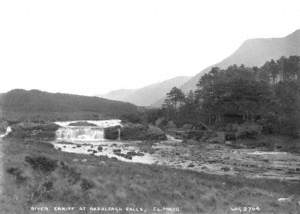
point(84, 133)
point(8, 130)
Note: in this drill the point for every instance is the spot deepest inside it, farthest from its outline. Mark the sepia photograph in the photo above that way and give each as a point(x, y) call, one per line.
point(150, 107)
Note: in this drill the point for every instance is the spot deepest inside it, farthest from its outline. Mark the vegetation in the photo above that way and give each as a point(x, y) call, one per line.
point(134, 131)
point(30, 130)
point(37, 175)
point(40, 105)
point(268, 96)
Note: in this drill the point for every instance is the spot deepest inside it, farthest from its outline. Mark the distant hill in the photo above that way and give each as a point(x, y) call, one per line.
point(148, 95)
point(44, 105)
point(255, 52)
point(120, 94)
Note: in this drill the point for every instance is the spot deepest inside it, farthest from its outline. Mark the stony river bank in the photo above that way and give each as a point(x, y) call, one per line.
point(201, 156)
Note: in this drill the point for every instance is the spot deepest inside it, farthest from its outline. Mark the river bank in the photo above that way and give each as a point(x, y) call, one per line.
point(81, 167)
point(116, 183)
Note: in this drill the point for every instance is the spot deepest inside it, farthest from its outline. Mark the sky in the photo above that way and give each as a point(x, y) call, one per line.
point(92, 47)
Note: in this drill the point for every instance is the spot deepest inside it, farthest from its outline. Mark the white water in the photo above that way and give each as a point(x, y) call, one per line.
point(8, 130)
point(87, 139)
point(267, 153)
point(84, 133)
point(207, 158)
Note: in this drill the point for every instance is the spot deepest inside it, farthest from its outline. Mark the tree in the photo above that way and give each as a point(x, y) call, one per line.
point(175, 98)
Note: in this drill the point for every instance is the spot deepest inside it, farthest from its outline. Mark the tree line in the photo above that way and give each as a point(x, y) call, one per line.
point(267, 95)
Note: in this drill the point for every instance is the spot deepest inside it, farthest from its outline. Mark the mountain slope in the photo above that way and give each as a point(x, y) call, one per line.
point(120, 94)
point(34, 101)
point(255, 52)
point(148, 95)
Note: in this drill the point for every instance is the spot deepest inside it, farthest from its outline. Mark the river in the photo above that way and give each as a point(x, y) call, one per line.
point(202, 157)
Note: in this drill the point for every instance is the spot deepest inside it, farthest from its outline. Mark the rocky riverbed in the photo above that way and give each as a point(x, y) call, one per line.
point(202, 157)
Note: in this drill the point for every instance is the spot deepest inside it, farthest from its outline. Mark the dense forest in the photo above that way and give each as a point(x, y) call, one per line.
point(268, 95)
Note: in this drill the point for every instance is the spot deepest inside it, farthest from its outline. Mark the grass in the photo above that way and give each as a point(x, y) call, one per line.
point(38, 175)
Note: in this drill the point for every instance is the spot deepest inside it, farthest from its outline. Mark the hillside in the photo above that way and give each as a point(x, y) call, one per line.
point(33, 102)
point(148, 95)
point(255, 52)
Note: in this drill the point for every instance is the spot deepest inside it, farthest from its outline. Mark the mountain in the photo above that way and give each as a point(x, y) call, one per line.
point(35, 102)
point(120, 94)
point(148, 95)
point(255, 52)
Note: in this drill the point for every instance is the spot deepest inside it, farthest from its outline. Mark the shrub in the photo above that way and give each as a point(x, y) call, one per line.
point(132, 118)
point(249, 130)
point(86, 184)
point(41, 163)
point(17, 173)
point(155, 133)
point(69, 173)
point(34, 130)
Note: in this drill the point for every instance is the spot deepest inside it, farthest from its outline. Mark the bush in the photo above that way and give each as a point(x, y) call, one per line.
point(18, 174)
point(155, 133)
point(132, 118)
point(31, 130)
point(69, 173)
point(141, 132)
point(41, 163)
point(86, 184)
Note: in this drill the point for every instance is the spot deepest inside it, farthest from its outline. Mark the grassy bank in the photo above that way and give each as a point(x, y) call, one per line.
point(80, 180)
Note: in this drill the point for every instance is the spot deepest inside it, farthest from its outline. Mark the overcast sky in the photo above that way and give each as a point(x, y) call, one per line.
point(91, 47)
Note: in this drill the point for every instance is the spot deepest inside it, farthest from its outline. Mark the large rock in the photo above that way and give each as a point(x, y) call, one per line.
point(112, 133)
point(39, 131)
point(132, 131)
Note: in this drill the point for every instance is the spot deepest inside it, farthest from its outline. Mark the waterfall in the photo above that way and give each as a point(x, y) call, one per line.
point(80, 134)
point(84, 133)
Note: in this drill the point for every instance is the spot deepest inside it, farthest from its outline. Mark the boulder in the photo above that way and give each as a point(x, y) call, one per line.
point(141, 132)
point(100, 148)
point(112, 133)
point(133, 153)
point(117, 151)
point(132, 131)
